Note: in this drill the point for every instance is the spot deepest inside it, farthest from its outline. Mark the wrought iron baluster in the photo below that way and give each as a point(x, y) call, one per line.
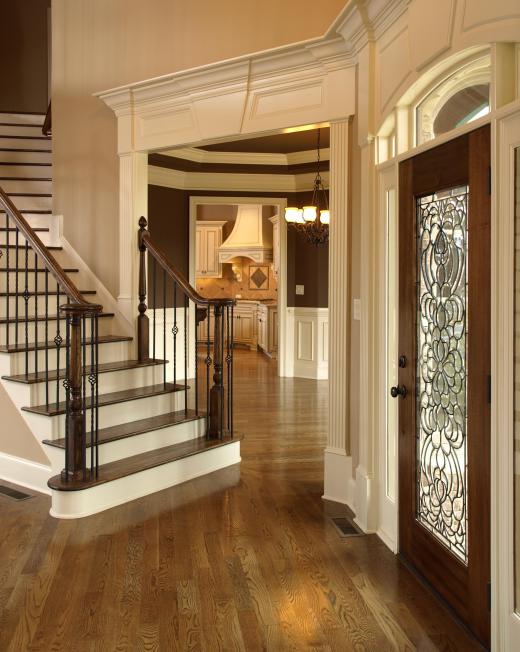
point(186, 331)
point(36, 312)
point(196, 332)
point(26, 296)
point(92, 380)
point(7, 283)
point(164, 325)
point(154, 288)
point(228, 363)
point(232, 345)
point(46, 338)
point(175, 330)
point(16, 284)
point(96, 334)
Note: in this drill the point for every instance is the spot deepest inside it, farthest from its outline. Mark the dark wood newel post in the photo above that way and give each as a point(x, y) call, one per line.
point(216, 396)
point(143, 323)
point(75, 421)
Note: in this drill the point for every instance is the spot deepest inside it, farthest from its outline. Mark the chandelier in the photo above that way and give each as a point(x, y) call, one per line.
point(312, 221)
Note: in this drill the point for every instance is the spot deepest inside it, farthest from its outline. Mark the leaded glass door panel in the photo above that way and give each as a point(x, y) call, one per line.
point(444, 362)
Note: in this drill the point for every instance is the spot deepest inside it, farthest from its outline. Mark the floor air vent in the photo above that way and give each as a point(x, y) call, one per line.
point(345, 528)
point(13, 493)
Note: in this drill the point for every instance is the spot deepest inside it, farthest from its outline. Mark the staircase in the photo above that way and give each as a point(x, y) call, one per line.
point(114, 425)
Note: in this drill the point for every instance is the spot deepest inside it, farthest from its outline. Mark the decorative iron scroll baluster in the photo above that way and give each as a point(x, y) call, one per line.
point(186, 331)
point(175, 330)
point(58, 340)
point(164, 326)
point(216, 398)
point(26, 296)
point(46, 338)
point(36, 312)
point(7, 282)
point(16, 285)
point(154, 283)
point(208, 364)
point(229, 360)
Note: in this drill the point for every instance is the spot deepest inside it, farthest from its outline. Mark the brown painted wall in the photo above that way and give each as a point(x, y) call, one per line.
point(24, 55)
point(168, 216)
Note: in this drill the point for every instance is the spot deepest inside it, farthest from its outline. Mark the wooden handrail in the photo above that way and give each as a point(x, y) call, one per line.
point(159, 255)
point(50, 262)
point(47, 123)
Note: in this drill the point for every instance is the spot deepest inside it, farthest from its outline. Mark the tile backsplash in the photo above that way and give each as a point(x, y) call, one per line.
point(228, 286)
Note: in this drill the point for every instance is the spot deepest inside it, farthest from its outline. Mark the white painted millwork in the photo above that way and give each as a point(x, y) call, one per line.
point(310, 342)
point(246, 158)
point(338, 463)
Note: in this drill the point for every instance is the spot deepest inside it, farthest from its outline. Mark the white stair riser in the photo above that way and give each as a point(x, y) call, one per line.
point(23, 118)
point(15, 130)
point(36, 330)
point(14, 363)
point(25, 203)
point(26, 185)
point(23, 143)
point(135, 445)
point(75, 504)
point(58, 254)
point(31, 171)
point(113, 381)
point(10, 238)
point(34, 280)
point(53, 303)
point(15, 156)
point(46, 427)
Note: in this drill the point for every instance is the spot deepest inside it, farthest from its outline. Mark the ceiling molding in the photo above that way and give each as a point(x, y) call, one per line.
point(283, 183)
point(245, 158)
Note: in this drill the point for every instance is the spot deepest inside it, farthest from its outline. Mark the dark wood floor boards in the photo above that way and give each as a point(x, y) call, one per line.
point(244, 559)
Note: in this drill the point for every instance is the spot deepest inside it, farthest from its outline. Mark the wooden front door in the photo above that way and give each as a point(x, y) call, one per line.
point(444, 367)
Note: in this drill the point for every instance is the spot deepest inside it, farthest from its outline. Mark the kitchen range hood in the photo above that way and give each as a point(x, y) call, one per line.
point(252, 237)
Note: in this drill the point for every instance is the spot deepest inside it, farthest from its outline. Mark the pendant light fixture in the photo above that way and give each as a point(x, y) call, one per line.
point(312, 221)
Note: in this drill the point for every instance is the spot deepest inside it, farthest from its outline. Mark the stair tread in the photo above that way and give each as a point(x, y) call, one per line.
point(20, 124)
point(28, 194)
point(68, 270)
point(32, 211)
point(21, 318)
point(31, 346)
point(25, 178)
point(32, 151)
point(37, 229)
point(125, 430)
point(109, 399)
point(22, 246)
point(37, 163)
point(18, 137)
point(142, 462)
point(41, 293)
point(122, 365)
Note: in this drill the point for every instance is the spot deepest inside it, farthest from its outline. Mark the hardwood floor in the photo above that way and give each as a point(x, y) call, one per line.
point(243, 559)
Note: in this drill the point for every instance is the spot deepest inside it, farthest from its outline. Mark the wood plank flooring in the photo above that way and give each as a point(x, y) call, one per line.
point(243, 559)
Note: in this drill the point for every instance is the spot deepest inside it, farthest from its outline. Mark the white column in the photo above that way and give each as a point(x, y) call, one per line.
point(366, 482)
point(338, 463)
point(133, 202)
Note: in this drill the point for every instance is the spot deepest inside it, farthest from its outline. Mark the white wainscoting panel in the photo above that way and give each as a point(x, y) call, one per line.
point(308, 342)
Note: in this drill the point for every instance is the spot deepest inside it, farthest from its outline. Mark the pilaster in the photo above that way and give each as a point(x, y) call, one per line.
point(338, 463)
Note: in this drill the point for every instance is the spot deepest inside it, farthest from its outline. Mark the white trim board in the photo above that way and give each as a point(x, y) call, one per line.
point(245, 158)
point(232, 182)
point(25, 473)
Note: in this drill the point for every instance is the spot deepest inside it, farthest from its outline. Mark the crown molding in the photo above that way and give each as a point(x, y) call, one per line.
point(245, 158)
point(214, 181)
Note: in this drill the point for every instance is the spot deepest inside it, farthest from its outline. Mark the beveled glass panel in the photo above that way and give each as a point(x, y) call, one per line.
point(442, 249)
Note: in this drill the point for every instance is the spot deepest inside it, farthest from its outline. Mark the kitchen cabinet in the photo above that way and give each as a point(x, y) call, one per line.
point(267, 328)
point(244, 325)
point(208, 238)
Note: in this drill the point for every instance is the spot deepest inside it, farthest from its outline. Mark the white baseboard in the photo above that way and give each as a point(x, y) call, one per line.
point(338, 473)
point(387, 539)
point(366, 503)
point(25, 473)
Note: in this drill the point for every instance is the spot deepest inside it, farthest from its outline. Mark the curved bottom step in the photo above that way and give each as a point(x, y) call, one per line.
point(162, 469)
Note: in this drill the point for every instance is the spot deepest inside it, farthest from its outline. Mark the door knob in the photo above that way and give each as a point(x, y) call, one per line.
point(400, 390)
